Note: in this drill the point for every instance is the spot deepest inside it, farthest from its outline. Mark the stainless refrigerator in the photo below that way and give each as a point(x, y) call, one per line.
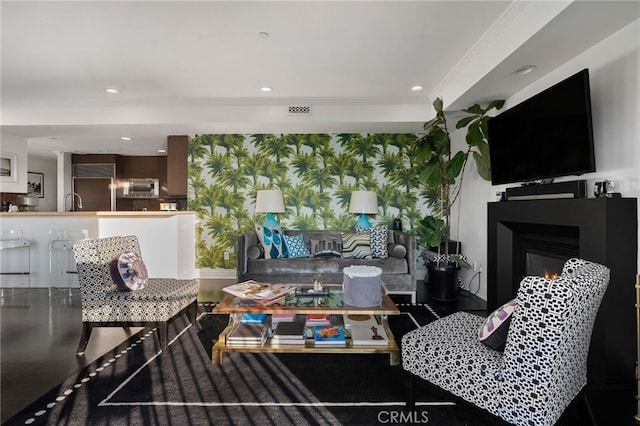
point(95, 184)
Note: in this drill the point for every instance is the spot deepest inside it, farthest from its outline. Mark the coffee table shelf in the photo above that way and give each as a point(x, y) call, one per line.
point(331, 305)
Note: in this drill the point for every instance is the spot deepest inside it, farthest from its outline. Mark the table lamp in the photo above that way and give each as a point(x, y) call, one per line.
point(270, 201)
point(363, 202)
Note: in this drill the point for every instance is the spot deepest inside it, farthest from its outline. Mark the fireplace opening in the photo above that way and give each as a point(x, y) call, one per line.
point(545, 257)
point(542, 250)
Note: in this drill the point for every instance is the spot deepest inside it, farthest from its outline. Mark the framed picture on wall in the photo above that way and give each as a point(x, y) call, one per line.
point(8, 167)
point(35, 184)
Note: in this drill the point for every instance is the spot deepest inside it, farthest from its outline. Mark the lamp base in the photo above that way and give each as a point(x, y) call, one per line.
point(363, 222)
point(270, 221)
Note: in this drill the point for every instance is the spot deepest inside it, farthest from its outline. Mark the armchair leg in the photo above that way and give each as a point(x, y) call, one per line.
point(194, 311)
point(163, 335)
point(84, 337)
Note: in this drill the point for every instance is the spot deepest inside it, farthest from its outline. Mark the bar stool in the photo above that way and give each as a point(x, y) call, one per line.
point(62, 266)
point(15, 263)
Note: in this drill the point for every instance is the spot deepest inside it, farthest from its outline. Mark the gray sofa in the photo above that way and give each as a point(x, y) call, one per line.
point(398, 270)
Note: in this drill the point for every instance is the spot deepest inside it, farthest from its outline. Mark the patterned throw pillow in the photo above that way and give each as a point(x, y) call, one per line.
point(129, 272)
point(272, 242)
point(493, 332)
point(326, 248)
point(379, 239)
point(356, 246)
point(295, 246)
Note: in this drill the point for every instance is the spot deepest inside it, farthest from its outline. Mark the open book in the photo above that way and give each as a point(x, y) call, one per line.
point(262, 292)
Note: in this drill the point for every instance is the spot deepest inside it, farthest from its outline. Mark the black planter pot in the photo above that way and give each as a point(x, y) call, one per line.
point(443, 282)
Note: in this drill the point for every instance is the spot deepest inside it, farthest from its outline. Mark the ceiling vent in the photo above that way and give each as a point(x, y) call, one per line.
point(300, 110)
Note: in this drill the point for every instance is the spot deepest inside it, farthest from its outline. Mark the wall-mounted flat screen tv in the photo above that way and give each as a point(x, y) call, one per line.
point(546, 136)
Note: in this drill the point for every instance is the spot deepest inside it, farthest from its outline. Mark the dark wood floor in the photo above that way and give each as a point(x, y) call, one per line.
point(39, 335)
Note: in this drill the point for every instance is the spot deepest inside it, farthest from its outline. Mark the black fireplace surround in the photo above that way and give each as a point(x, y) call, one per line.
point(602, 230)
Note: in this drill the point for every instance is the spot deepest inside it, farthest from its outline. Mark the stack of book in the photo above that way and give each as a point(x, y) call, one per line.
point(278, 318)
point(329, 335)
point(368, 335)
point(247, 335)
point(251, 318)
point(290, 333)
point(318, 319)
point(359, 319)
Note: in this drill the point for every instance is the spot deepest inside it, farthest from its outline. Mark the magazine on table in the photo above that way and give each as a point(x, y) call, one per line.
point(258, 291)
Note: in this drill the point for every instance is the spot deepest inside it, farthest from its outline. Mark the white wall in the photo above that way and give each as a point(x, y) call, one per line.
point(15, 146)
point(49, 168)
point(615, 97)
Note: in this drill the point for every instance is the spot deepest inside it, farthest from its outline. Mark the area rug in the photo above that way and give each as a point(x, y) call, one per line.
point(138, 384)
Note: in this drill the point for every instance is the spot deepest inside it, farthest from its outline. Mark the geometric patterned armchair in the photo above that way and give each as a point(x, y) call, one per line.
point(544, 363)
point(103, 305)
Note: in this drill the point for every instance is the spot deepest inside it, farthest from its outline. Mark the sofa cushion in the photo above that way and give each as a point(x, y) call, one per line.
point(255, 251)
point(379, 239)
point(356, 246)
point(295, 246)
point(397, 251)
point(129, 272)
point(272, 241)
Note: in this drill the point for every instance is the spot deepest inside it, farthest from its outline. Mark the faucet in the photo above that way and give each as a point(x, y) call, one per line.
point(73, 194)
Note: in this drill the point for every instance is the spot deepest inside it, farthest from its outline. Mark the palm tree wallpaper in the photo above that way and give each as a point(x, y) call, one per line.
point(315, 172)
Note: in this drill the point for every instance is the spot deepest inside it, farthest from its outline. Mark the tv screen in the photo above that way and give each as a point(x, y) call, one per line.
point(547, 136)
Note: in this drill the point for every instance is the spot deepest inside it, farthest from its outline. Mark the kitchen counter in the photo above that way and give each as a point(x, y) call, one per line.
point(167, 238)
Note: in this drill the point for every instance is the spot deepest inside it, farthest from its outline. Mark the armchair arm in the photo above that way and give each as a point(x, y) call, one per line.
point(243, 242)
point(409, 241)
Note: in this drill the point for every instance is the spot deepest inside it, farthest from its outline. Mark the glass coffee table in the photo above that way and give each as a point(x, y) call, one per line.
point(302, 303)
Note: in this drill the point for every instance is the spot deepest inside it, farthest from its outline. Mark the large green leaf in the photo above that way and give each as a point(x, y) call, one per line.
point(483, 148)
point(424, 153)
point(454, 166)
point(463, 122)
point(475, 109)
point(430, 176)
point(437, 105)
point(474, 135)
point(483, 165)
point(498, 104)
point(431, 231)
point(437, 137)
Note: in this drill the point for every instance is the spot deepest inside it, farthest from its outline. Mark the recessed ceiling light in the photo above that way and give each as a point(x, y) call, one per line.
point(112, 90)
point(416, 88)
point(263, 34)
point(162, 151)
point(126, 138)
point(266, 89)
point(525, 69)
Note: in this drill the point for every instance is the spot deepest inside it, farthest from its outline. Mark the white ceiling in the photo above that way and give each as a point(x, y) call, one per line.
point(197, 67)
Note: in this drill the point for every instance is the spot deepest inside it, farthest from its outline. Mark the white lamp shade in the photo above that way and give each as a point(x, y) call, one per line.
point(364, 202)
point(269, 201)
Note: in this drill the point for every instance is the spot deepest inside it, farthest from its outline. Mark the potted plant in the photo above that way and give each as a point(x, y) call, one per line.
point(441, 174)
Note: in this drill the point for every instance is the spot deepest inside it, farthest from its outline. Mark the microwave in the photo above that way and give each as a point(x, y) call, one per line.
point(141, 188)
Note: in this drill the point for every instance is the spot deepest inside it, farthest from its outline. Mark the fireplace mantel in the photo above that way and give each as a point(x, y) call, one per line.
point(608, 234)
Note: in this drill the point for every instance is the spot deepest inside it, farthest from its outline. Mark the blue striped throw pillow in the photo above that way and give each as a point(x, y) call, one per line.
point(356, 246)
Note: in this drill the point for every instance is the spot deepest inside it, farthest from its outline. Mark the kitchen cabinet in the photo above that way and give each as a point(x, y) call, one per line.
point(142, 167)
point(177, 149)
